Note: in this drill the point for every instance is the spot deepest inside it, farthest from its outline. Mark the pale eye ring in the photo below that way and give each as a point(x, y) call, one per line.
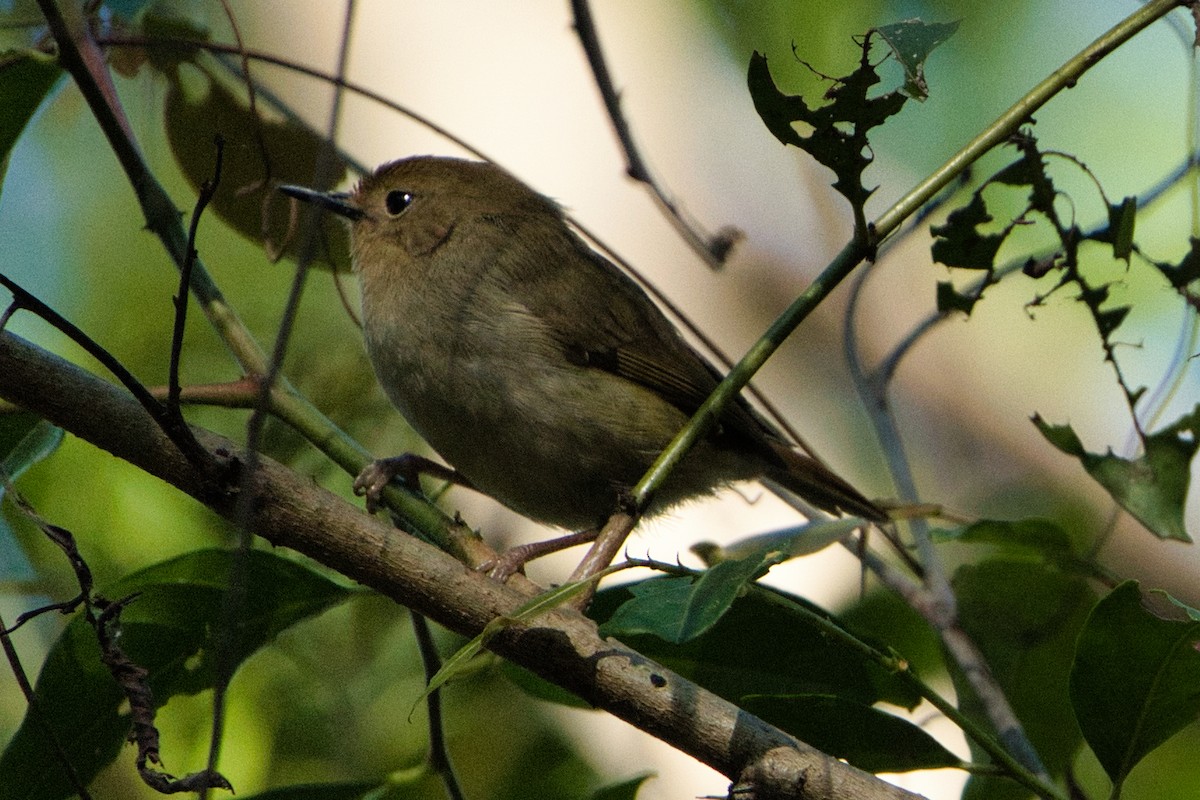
point(397, 200)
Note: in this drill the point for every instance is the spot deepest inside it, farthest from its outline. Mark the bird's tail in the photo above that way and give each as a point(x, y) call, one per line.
point(816, 483)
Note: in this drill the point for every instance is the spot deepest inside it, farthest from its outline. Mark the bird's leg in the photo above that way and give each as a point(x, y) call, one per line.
point(607, 542)
point(514, 559)
point(407, 467)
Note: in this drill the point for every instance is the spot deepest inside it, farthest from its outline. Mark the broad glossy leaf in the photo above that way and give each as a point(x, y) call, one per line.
point(1043, 539)
point(1153, 487)
point(1136, 679)
point(763, 645)
point(867, 737)
point(26, 78)
point(25, 439)
point(679, 609)
point(1025, 615)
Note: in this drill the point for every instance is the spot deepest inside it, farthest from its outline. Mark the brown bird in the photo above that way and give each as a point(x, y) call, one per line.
point(532, 364)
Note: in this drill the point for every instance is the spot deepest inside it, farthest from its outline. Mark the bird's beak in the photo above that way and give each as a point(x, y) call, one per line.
point(337, 202)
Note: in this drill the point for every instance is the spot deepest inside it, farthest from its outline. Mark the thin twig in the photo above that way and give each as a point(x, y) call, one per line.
point(133, 679)
point(608, 543)
point(439, 754)
point(185, 277)
point(18, 670)
point(863, 246)
point(935, 601)
point(260, 139)
point(162, 219)
point(713, 249)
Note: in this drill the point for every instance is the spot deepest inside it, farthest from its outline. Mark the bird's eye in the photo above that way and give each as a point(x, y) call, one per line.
point(397, 200)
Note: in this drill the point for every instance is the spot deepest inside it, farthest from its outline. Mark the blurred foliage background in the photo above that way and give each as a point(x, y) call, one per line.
point(333, 698)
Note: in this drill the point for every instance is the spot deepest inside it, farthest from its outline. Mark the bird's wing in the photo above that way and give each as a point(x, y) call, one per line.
point(626, 335)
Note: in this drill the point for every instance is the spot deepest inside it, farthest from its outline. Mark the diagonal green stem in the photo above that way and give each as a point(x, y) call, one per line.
point(861, 247)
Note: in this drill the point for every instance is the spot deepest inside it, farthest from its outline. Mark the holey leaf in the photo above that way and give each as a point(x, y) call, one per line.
point(1136, 678)
point(1153, 488)
point(959, 243)
point(839, 127)
point(911, 42)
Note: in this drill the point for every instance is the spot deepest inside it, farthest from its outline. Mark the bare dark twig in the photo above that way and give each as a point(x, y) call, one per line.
point(439, 755)
point(185, 277)
point(18, 670)
point(714, 249)
point(251, 91)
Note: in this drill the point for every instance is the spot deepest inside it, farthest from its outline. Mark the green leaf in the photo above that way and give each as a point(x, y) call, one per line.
point(26, 78)
point(1136, 679)
point(1024, 616)
point(198, 108)
point(959, 244)
point(25, 439)
point(793, 541)
point(882, 616)
point(764, 644)
point(678, 610)
point(177, 630)
point(625, 790)
point(838, 138)
point(1041, 537)
point(1107, 320)
point(950, 299)
point(911, 42)
point(459, 662)
point(1186, 271)
point(1153, 488)
point(777, 110)
point(868, 738)
point(1121, 220)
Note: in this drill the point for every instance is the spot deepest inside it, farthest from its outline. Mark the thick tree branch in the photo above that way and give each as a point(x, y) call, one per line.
point(288, 510)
